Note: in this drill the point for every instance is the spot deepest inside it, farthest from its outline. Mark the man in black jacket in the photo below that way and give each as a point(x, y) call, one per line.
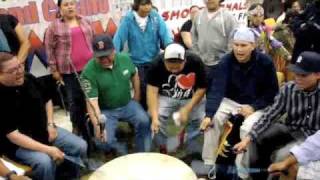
point(245, 85)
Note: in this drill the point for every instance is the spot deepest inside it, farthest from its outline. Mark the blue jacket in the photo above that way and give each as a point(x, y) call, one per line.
point(143, 46)
point(254, 83)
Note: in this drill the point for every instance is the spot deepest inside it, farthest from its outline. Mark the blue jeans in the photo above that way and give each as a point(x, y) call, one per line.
point(43, 166)
point(135, 115)
point(167, 106)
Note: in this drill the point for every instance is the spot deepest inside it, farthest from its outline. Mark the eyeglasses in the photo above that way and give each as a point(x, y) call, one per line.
point(15, 69)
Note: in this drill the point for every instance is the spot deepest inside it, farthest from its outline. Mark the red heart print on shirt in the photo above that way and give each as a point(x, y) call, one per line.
point(186, 81)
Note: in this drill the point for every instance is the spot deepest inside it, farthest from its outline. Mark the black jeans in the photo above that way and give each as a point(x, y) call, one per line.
point(275, 137)
point(143, 70)
point(77, 107)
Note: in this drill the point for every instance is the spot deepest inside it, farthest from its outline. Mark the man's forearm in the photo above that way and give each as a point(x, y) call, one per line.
point(196, 98)
point(49, 110)
point(152, 101)
point(94, 110)
point(23, 51)
point(136, 84)
point(187, 39)
point(26, 142)
point(24, 43)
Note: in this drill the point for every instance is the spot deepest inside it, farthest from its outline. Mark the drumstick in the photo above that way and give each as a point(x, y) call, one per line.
point(235, 170)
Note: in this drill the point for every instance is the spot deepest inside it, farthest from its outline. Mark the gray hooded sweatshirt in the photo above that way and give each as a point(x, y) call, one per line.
point(211, 39)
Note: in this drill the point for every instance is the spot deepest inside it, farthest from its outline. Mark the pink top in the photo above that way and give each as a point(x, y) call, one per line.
point(80, 52)
point(58, 46)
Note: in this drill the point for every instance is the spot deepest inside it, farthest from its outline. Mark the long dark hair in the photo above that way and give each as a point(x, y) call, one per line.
point(59, 3)
point(136, 3)
point(58, 14)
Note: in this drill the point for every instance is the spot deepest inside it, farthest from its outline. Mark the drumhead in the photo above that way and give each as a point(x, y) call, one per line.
point(144, 166)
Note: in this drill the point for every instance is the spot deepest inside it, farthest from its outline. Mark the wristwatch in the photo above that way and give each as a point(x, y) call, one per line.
point(9, 174)
point(52, 125)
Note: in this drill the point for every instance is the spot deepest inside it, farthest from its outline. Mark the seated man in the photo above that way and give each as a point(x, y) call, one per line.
point(176, 83)
point(245, 85)
point(28, 131)
point(300, 101)
point(307, 155)
point(107, 79)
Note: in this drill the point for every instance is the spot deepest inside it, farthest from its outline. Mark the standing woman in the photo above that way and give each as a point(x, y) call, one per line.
point(68, 46)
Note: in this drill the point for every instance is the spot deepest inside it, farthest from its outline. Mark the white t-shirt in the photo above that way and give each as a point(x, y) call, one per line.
point(142, 21)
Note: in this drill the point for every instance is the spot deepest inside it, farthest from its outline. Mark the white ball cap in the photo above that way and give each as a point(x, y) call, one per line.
point(174, 51)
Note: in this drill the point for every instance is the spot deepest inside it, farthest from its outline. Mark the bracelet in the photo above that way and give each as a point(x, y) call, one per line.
point(52, 125)
point(9, 174)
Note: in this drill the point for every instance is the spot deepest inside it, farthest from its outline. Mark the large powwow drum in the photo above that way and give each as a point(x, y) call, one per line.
point(144, 166)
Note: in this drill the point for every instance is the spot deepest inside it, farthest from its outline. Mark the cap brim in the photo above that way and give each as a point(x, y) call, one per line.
point(174, 60)
point(296, 69)
point(103, 53)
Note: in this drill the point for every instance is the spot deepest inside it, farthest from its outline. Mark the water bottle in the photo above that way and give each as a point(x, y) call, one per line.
point(103, 130)
point(176, 118)
point(174, 125)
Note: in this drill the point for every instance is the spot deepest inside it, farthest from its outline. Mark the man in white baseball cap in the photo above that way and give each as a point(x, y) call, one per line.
point(176, 83)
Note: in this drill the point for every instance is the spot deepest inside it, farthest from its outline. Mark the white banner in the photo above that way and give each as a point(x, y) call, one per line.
point(105, 15)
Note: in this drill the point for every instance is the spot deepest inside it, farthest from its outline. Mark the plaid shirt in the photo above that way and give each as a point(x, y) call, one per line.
point(58, 44)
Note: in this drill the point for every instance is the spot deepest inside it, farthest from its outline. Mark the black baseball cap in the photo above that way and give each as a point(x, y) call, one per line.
point(102, 45)
point(307, 62)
